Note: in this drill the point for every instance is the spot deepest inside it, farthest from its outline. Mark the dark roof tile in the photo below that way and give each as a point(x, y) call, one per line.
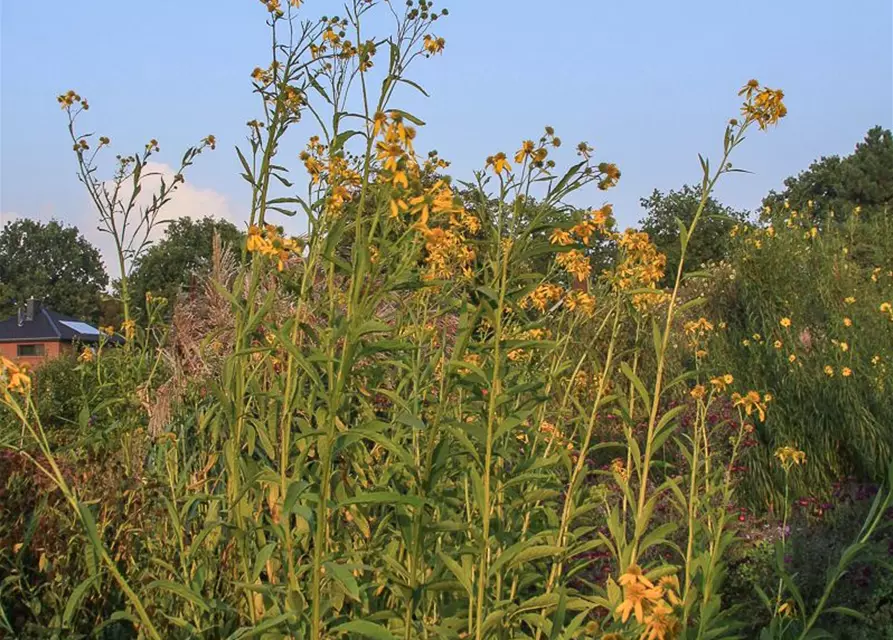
point(47, 325)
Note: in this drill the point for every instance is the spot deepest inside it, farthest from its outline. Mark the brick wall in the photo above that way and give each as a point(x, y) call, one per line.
point(52, 349)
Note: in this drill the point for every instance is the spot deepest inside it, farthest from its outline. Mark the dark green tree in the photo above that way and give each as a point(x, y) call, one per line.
point(51, 262)
point(863, 178)
point(182, 255)
point(711, 240)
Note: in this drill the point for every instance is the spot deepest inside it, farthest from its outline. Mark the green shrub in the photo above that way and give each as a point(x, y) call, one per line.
point(830, 369)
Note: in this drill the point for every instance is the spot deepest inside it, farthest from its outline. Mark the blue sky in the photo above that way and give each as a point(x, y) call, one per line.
point(648, 84)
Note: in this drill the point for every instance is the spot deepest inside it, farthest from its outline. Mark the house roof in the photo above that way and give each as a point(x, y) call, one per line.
point(47, 325)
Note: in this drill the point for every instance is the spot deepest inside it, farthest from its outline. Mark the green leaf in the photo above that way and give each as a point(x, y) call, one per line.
point(261, 559)
point(558, 619)
point(315, 83)
point(818, 634)
point(411, 421)
point(534, 553)
point(456, 569)
point(364, 628)
point(657, 336)
point(373, 326)
point(558, 190)
point(343, 137)
point(344, 577)
point(262, 627)
point(846, 611)
point(683, 233)
point(493, 619)
point(526, 550)
point(180, 590)
point(668, 416)
point(657, 535)
point(414, 86)
point(74, 600)
point(383, 497)
point(409, 117)
point(637, 383)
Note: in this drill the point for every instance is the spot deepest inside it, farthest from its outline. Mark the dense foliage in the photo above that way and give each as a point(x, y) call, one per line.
point(808, 319)
point(834, 185)
point(181, 258)
point(430, 416)
point(51, 262)
point(665, 213)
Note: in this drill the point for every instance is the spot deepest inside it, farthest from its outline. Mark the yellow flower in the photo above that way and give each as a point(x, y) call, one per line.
point(399, 179)
point(391, 153)
point(561, 238)
point(846, 372)
point(721, 382)
point(792, 358)
point(610, 173)
point(580, 301)
point(789, 455)
point(634, 574)
point(698, 392)
point(525, 151)
point(584, 231)
point(699, 326)
point(378, 122)
point(844, 346)
point(255, 241)
point(661, 623)
point(499, 163)
point(129, 329)
point(785, 322)
point(433, 44)
point(109, 330)
point(397, 205)
point(541, 297)
point(849, 300)
point(777, 344)
point(670, 585)
point(847, 322)
point(829, 371)
point(639, 594)
point(751, 402)
point(86, 355)
point(762, 105)
point(618, 467)
point(576, 263)
point(17, 378)
point(875, 359)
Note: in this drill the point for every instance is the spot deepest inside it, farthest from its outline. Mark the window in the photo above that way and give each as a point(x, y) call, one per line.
point(30, 350)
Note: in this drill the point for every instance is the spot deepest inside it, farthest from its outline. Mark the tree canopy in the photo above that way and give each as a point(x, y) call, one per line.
point(863, 178)
point(709, 243)
point(170, 264)
point(52, 262)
